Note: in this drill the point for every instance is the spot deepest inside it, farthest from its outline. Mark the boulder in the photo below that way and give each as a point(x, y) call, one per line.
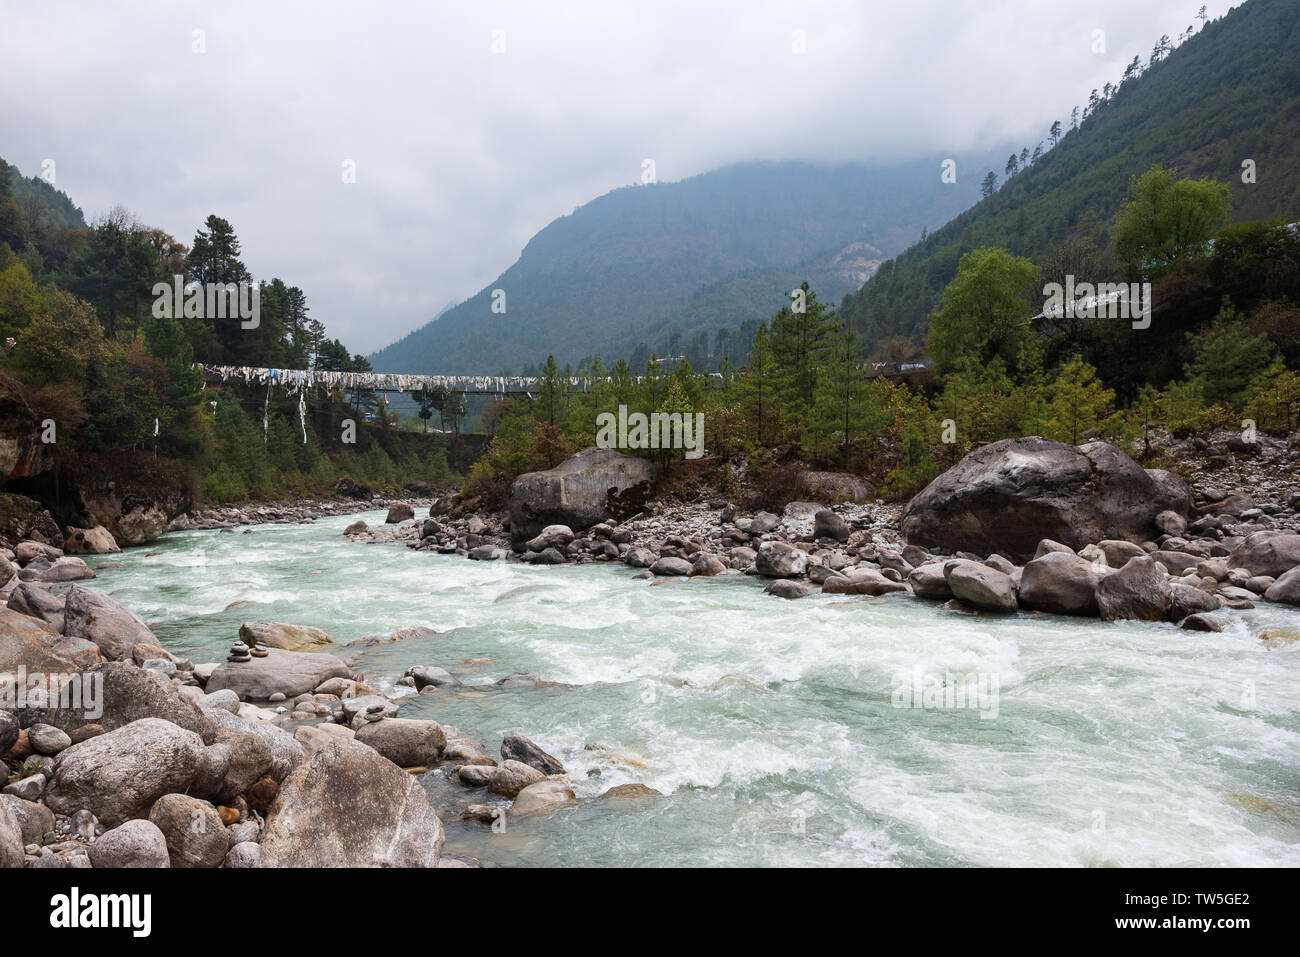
point(1139, 590)
point(313, 737)
point(30, 599)
point(125, 695)
point(671, 567)
point(638, 557)
point(351, 807)
point(34, 820)
point(515, 747)
point(1062, 583)
point(763, 522)
point(780, 560)
point(980, 586)
point(542, 797)
point(136, 843)
point(247, 761)
point(1187, 600)
point(11, 839)
point(407, 742)
point(584, 490)
point(119, 775)
point(833, 487)
point(510, 777)
point(929, 581)
point(552, 536)
point(89, 541)
point(828, 524)
point(706, 566)
point(65, 569)
point(9, 731)
point(787, 588)
point(276, 634)
point(1272, 553)
point(105, 621)
point(1007, 496)
point(30, 643)
point(193, 830)
point(399, 512)
point(1118, 552)
point(1286, 589)
point(290, 673)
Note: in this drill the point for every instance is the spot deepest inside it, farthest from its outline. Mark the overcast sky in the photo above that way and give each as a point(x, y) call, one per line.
point(463, 152)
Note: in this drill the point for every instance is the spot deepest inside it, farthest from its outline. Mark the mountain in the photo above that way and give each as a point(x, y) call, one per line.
point(1228, 94)
point(664, 263)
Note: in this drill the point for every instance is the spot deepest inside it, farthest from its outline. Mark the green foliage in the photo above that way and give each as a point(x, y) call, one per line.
point(1227, 360)
point(1078, 403)
point(1169, 220)
point(983, 314)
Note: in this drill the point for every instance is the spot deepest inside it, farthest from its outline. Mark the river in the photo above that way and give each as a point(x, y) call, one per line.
point(771, 726)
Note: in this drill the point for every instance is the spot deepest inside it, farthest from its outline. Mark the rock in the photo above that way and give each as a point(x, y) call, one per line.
point(511, 777)
point(246, 854)
point(786, 588)
point(127, 694)
point(827, 524)
point(632, 792)
point(351, 807)
point(763, 522)
point(134, 844)
point(1286, 589)
point(407, 742)
point(638, 557)
point(1138, 591)
point(192, 829)
point(63, 570)
point(1119, 552)
point(248, 759)
point(1187, 600)
point(780, 560)
point(584, 490)
point(475, 775)
point(356, 528)
point(1062, 583)
point(34, 820)
point(980, 586)
point(32, 600)
point(289, 672)
point(929, 581)
point(1007, 496)
point(1175, 562)
point(276, 634)
point(543, 797)
point(89, 541)
point(399, 512)
point(29, 643)
point(105, 621)
point(515, 747)
point(119, 775)
point(671, 567)
point(1270, 553)
point(833, 487)
point(11, 839)
point(46, 739)
point(427, 676)
point(487, 553)
point(1171, 523)
point(706, 566)
point(223, 700)
point(1199, 622)
point(316, 736)
point(552, 536)
point(9, 729)
point(29, 788)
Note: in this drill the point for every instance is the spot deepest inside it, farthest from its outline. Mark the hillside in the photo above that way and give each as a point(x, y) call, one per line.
point(665, 262)
point(1229, 93)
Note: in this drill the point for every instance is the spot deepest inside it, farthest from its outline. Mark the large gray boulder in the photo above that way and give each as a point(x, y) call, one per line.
point(1062, 583)
point(192, 829)
point(833, 487)
point(32, 600)
point(980, 586)
point(277, 634)
point(30, 643)
point(1271, 553)
point(780, 560)
point(351, 807)
point(125, 694)
point(1007, 496)
point(11, 839)
point(136, 843)
point(105, 621)
point(1139, 590)
point(119, 775)
point(290, 673)
point(1286, 589)
point(407, 742)
point(588, 488)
